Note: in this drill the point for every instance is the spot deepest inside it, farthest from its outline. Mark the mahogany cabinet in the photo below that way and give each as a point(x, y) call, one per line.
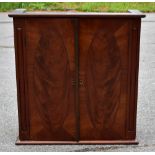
point(77, 77)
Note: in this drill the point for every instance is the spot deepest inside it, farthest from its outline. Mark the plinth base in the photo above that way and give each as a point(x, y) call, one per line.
point(105, 142)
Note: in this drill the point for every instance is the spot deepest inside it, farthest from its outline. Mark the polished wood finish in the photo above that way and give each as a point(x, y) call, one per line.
point(103, 72)
point(51, 70)
point(105, 142)
point(77, 77)
point(129, 14)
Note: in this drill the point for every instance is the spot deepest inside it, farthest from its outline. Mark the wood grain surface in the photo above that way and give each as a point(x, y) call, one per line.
point(51, 71)
point(103, 70)
point(77, 79)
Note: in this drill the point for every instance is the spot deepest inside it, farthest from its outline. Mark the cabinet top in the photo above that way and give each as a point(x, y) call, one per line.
point(23, 13)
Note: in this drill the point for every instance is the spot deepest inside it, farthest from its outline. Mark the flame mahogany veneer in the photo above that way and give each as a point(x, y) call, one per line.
point(77, 77)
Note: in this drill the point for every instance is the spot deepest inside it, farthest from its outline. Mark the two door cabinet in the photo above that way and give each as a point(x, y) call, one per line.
point(77, 77)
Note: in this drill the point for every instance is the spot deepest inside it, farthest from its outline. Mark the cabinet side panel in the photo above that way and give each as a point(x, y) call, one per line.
point(133, 77)
point(23, 112)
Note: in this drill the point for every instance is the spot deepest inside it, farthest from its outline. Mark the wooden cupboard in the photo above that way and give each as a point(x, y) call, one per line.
point(77, 77)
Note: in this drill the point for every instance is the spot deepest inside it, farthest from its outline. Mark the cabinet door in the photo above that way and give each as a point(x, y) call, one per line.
point(49, 72)
point(104, 63)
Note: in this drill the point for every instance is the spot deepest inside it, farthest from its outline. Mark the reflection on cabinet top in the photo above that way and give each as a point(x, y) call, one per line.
point(129, 14)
